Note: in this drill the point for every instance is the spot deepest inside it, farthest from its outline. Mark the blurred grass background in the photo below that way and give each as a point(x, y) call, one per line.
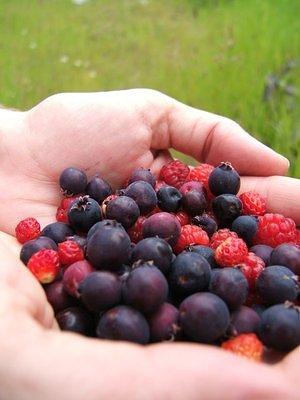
point(239, 58)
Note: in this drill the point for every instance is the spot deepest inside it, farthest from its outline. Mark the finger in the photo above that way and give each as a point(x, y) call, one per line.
point(160, 159)
point(211, 138)
point(282, 194)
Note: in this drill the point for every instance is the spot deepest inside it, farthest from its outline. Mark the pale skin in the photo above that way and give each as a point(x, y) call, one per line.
point(111, 134)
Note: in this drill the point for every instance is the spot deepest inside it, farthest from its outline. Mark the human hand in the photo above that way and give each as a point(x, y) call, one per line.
point(62, 365)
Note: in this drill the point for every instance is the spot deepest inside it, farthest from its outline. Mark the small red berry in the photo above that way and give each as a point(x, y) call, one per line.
point(231, 252)
point(251, 267)
point(27, 229)
point(69, 252)
point(253, 203)
point(44, 265)
point(246, 344)
point(191, 235)
point(174, 173)
point(220, 236)
point(136, 231)
point(275, 229)
point(63, 208)
point(182, 218)
point(201, 174)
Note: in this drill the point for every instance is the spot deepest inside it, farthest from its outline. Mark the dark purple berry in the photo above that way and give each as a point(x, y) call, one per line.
point(263, 251)
point(259, 308)
point(33, 246)
point(123, 323)
point(109, 248)
point(57, 231)
point(190, 273)
point(98, 189)
point(206, 252)
point(73, 181)
point(280, 327)
point(101, 290)
point(226, 209)
point(204, 317)
point(191, 185)
point(230, 284)
point(58, 297)
point(164, 323)
point(124, 210)
point(163, 225)
point(169, 199)
point(224, 179)
point(143, 194)
point(277, 284)
point(153, 249)
point(84, 213)
point(74, 275)
point(145, 288)
point(244, 320)
point(75, 319)
point(103, 224)
point(142, 174)
point(246, 227)
point(287, 255)
point(80, 240)
point(207, 223)
point(194, 200)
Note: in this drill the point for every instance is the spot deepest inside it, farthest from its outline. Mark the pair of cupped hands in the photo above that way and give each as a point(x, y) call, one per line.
point(112, 133)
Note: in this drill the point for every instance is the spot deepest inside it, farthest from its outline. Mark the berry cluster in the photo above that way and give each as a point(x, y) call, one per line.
point(178, 258)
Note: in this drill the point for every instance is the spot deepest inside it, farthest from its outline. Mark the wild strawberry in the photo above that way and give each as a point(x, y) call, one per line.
point(220, 236)
point(174, 173)
point(201, 174)
point(69, 252)
point(275, 229)
point(191, 235)
point(44, 265)
point(63, 208)
point(27, 229)
point(182, 218)
point(246, 345)
point(251, 267)
point(253, 203)
point(231, 252)
point(136, 231)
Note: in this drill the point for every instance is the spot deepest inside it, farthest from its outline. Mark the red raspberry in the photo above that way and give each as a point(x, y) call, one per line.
point(251, 267)
point(297, 239)
point(69, 252)
point(220, 236)
point(63, 208)
point(182, 218)
point(201, 174)
point(246, 345)
point(253, 203)
point(136, 231)
point(231, 252)
point(27, 229)
point(275, 229)
point(190, 235)
point(44, 265)
point(174, 173)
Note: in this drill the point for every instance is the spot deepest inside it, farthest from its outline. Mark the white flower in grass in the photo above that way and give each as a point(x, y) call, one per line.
point(64, 59)
point(78, 63)
point(79, 2)
point(32, 45)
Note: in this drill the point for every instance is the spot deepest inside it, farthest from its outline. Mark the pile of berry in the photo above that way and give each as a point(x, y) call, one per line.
point(178, 258)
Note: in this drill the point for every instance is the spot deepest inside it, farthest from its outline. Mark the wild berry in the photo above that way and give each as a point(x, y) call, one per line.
point(27, 229)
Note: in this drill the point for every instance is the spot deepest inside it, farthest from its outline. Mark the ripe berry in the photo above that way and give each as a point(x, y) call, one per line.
point(58, 297)
point(98, 189)
point(75, 319)
point(253, 203)
point(44, 265)
point(280, 327)
point(163, 323)
point(182, 218)
point(229, 284)
point(275, 229)
point(226, 208)
point(84, 213)
point(169, 199)
point(231, 252)
point(143, 194)
point(174, 173)
point(264, 252)
point(220, 236)
point(72, 181)
point(201, 173)
point(63, 208)
point(145, 288)
point(123, 323)
point(69, 252)
point(189, 236)
point(105, 223)
point(205, 252)
point(80, 240)
point(246, 227)
point(251, 267)
point(136, 231)
point(276, 284)
point(124, 210)
point(224, 179)
point(189, 273)
point(244, 320)
point(74, 275)
point(33, 246)
point(142, 174)
point(287, 255)
point(246, 345)
point(57, 231)
point(194, 202)
point(204, 317)
point(206, 222)
point(27, 229)
point(163, 225)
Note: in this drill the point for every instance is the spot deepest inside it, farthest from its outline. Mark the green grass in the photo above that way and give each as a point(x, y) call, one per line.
point(211, 54)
